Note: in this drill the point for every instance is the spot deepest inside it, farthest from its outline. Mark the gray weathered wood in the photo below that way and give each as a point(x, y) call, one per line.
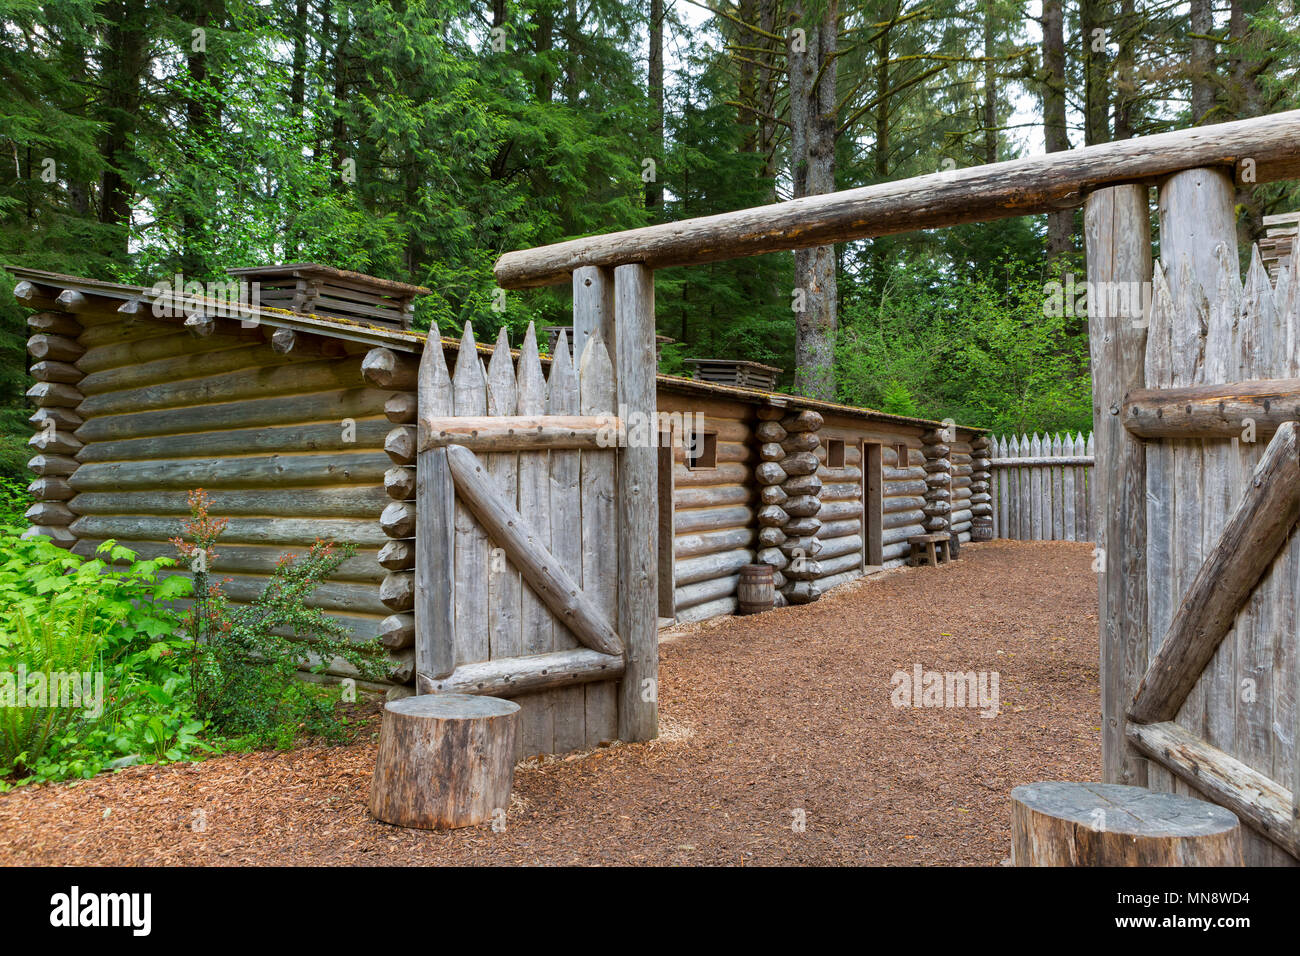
point(638, 601)
point(435, 580)
point(537, 721)
point(526, 432)
point(516, 537)
point(1251, 539)
point(1260, 801)
point(444, 761)
point(1117, 229)
point(1101, 824)
point(512, 676)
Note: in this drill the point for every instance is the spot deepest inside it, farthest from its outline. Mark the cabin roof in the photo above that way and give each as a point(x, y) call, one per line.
point(413, 341)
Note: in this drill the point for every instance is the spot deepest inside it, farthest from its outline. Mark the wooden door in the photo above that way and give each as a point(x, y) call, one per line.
point(518, 537)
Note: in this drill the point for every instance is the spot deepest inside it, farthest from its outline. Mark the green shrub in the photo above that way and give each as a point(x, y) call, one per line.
point(32, 711)
point(14, 502)
point(245, 659)
point(75, 615)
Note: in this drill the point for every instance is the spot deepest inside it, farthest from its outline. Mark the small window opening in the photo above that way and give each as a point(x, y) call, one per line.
point(835, 453)
point(702, 450)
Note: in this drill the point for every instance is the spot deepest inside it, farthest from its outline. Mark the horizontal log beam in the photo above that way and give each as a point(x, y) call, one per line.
point(512, 532)
point(523, 432)
point(1250, 540)
point(1019, 187)
point(1212, 411)
point(512, 676)
point(1262, 804)
point(1040, 462)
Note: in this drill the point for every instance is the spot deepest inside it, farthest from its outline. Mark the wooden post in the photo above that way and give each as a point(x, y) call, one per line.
point(1100, 824)
point(1117, 228)
point(435, 613)
point(593, 309)
point(638, 503)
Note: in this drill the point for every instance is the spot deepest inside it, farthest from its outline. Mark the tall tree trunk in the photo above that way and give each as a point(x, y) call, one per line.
point(298, 84)
point(769, 15)
point(1201, 64)
point(1093, 21)
point(1060, 225)
point(654, 193)
point(124, 62)
point(340, 129)
point(813, 122)
point(990, 87)
point(1125, 81)
point(544, 39)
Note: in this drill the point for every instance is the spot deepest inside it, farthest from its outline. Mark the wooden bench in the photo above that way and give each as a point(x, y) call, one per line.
point(931, 547)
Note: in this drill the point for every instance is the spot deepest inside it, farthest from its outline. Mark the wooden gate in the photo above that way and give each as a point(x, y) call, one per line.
point(1198, 471)
point(527, 585)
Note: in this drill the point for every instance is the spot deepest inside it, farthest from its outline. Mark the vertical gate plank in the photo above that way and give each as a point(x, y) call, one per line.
point(504, 583)
point(1117, 230)
point(469, 392)
point(1026, 492)
point(1067, 492)
point(435, 567)
point(638, 602)
point(593, 310)
point(1255, 649)
point(536, 733)
point(1223, 487)
point(1285, 674)
point(566, 539)
point(599, 526)
point(1036, 493)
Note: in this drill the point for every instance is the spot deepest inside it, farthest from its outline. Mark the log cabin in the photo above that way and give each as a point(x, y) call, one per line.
point(295, 408)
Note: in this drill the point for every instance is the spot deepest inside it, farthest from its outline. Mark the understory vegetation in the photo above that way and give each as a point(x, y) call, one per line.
point(100, 666)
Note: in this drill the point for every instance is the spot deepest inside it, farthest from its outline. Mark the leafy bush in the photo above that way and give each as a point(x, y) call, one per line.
point(979, 349)
point(63, 642)
point(245, 659)
point(79, 616)
point(14, 502)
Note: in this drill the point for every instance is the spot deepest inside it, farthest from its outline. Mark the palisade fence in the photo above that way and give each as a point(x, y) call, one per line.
point(1042, 487)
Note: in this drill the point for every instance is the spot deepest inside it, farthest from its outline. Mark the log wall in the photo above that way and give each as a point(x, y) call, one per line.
point(289, 441)
point(713, 528)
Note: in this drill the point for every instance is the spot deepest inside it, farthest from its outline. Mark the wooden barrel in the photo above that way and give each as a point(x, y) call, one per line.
point(756, 590)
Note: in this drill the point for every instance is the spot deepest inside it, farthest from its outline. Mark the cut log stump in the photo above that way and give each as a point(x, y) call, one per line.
point(1107, 824)
point(444, 761)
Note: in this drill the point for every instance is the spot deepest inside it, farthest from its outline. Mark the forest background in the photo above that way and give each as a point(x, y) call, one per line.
point(420, 140)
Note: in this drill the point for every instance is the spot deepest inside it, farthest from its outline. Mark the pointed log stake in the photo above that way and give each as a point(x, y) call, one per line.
point(512, 532)
point(1255, 532)
point(435, 614)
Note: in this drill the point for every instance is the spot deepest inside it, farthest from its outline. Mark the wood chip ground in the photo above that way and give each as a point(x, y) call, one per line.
point(760, 717)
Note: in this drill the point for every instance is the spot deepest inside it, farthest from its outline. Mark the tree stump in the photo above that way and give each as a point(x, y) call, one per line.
point(1107, 824)
point(444, 761)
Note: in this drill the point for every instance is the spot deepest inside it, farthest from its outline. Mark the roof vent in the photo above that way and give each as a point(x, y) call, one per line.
point(733, 372)
point(308, 287)
point(1277, 247)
